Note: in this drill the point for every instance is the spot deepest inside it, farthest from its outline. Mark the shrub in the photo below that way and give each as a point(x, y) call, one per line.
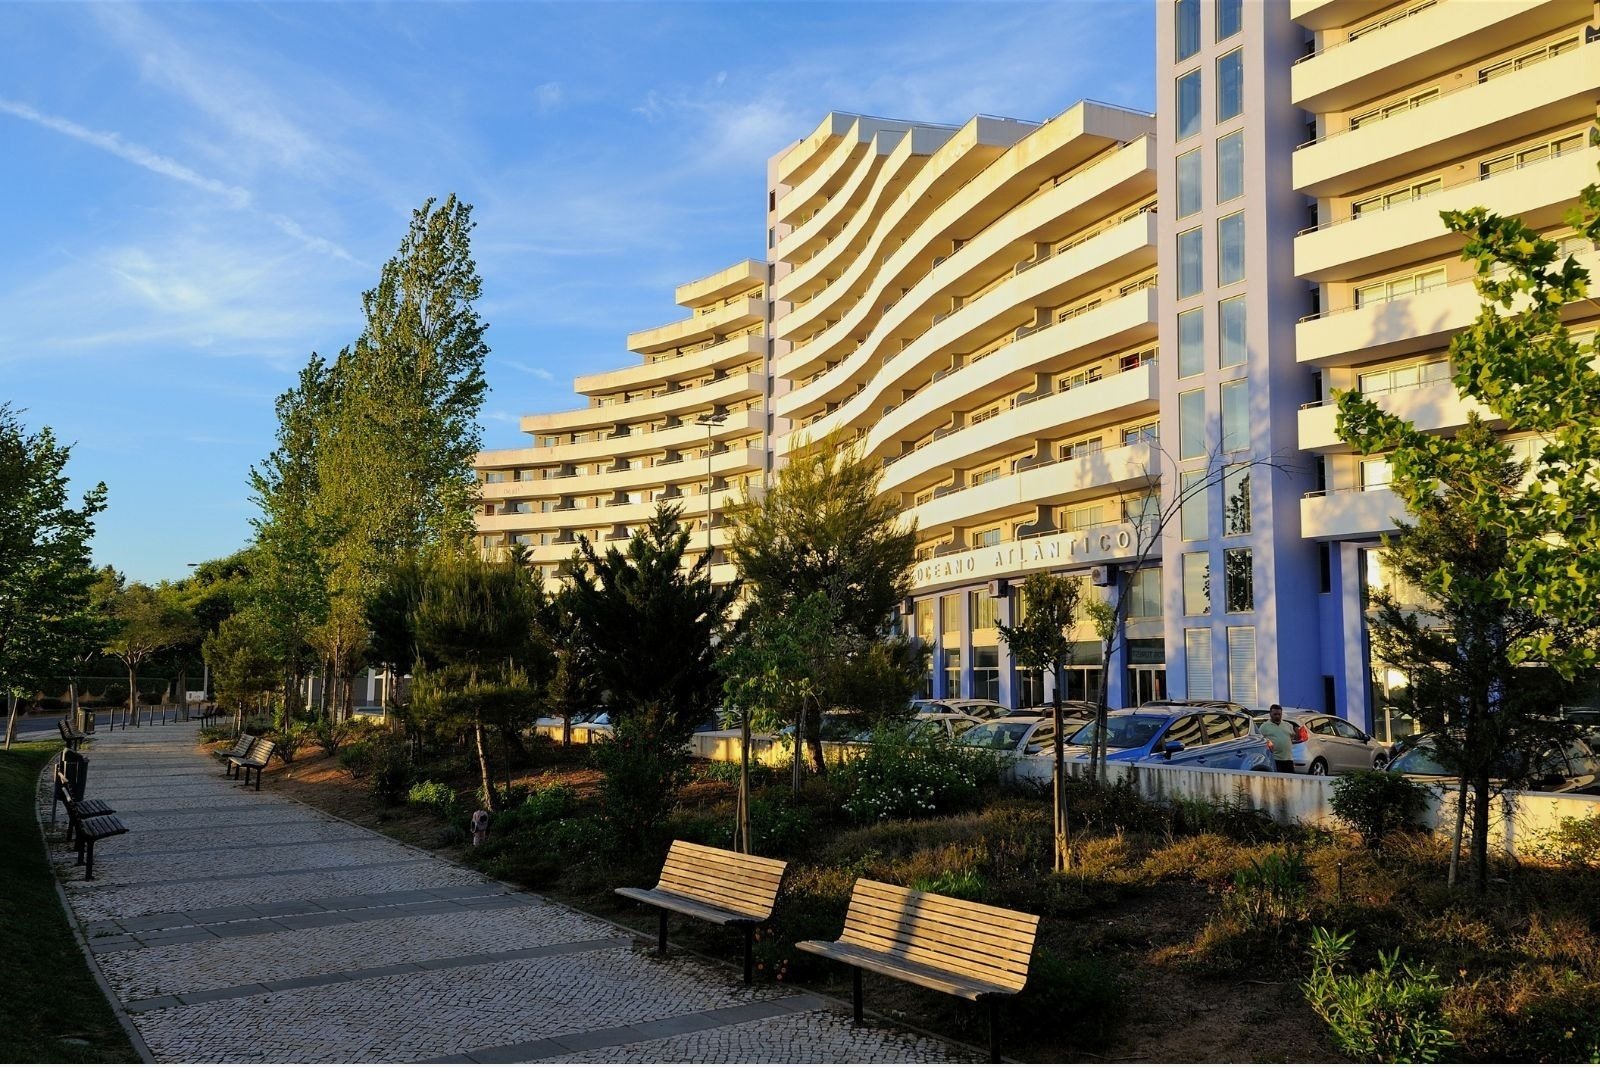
point(550, 803)
point(777, 823)
point(1089, 986)
point(1271, 891)
point(1376, 803)
point(289, 738)
point(904, 777)
point(436, 796)
point(332, 736)
point(966, 883)
point(389, 765)
point(1389, 1015)
point(1572, 843)
point(642, 778)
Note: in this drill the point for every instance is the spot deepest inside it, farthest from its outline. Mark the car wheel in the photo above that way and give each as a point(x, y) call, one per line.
point(1319, 766)
point(1380, 761)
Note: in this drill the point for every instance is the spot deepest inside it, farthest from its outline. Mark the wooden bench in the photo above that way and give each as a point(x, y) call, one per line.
point(87, 828)
point(255, 759)
point(241, 747)
point(974, 951)
point(718, 886)
point(71, 779)
point(73, 738)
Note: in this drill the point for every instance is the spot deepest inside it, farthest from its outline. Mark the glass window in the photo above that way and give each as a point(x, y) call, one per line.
point(1189, 183)
point(924, 612)
point(1237, 580)
point(1230, 167)
point(1190, 276)
point(986, 672)
point(1188, 105)
point(1235, 415)
point(1196, 583)
point(1194, 511)
point(1191, 343)
point(1235, 500)
point(1230, 18)
point(1230, 85)
point(1186, 22)
point(1242, 664)
point(1144, 594)
point(983, 609)
point(1186, 731)
point(1230, 324)
point(1192, 424)
point(1230, 249)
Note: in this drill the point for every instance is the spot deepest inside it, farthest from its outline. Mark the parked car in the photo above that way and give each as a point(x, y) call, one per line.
point(1179, 734)
point(1070, 709)
point(1327, 744)
point(1568, 767)
point(977, 707)
point(1226, 705)
point(1015, 735)
point(930, 724)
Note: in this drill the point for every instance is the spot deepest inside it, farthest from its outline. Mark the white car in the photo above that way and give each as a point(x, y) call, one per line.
point(1015, 735)
point(1327, 744)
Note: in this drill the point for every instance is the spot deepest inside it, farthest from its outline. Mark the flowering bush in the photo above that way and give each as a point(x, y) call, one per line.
point(901, 776)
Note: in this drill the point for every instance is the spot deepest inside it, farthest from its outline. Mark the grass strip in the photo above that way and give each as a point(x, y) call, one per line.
point(51, 1008)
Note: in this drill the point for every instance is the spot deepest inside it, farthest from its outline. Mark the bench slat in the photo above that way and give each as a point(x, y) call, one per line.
point(927, 924)
point(709, 884)
point(927, 977)
point(695, 865)
point(898, 896)
point(98, 826)
point(695, 908)
point(942, 961)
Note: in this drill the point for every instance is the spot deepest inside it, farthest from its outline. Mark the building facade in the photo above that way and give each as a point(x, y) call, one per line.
point(977, 309)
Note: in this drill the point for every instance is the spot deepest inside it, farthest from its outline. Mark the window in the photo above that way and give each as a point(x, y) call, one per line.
point(1194, 513)
point(1187, 732)
point(1395, 107)
point(924, 621)
point(1230, 167)
point(1242, 664)
point(1088, 446)
point(1527, 59)
point(1230, 249)
point(1325, 568)
point(1376, 474)
point(1230, 85)
point(1221, 726)
point(1235, 415)
point(1081, 518)
point(1415, 190)
point(987, 538)
point(1409, 376)
point(1230, 18)
point(986, 672)
point(986, 476)
point(1390, 19)
point(1197, 654)
point(1144, 594)
point(1189, 183)
point(1133, 435)
point(984, 610)
point(1238, 579)
point(1190, 277)
point(1398, 288)
point(1230, 324)
point(1534, 154)
point(1235, 500)
point(1191, 343)
point(1188, 105)
point(1196, 583)
point(1186, 24)
point(952, 671)
point(1192, 424)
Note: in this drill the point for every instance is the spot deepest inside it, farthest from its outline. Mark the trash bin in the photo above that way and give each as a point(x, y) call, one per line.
point(85, 720)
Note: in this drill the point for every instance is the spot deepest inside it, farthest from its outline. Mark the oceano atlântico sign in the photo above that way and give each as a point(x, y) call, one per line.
point(1102, 544)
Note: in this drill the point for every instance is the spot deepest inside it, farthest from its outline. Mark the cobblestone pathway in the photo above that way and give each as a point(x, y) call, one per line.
point(236, 926)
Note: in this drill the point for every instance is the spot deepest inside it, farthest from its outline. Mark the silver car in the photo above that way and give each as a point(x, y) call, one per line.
point(1327, 744)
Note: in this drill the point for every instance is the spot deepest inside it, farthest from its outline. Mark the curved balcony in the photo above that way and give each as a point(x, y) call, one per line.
point(693, 506)
point(1110, 400)
point(864, 139)
point(1442, 38)
point(1432, 406)
point(707, 356)
point(726, 390)
point(736, 313)
point(603, 446)
point(743, 276)
point(649, 476)
point(1403, 326)
point(1069, 206)
point(813, 235)
point(1343, 514)
point(1468, 117)
point(1539, 193)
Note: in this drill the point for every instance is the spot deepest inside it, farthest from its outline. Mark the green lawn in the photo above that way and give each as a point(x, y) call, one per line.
point(51, 1010)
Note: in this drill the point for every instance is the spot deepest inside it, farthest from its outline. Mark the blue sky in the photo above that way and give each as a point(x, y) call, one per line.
point(197, 194)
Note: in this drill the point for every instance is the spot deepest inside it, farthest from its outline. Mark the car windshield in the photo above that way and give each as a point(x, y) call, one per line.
point(1123, 731)
point(996, 734)
point(1420, 758)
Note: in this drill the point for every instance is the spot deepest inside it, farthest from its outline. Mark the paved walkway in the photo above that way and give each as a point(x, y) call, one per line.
point(236, 926)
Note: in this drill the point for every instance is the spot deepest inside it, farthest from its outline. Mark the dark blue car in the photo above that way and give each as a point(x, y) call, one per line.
point(1192, 736)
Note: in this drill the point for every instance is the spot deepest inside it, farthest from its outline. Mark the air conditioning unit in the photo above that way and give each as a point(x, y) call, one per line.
point(999, 587)
point(908, 606)
point(1102, 575)
point(1590, 34)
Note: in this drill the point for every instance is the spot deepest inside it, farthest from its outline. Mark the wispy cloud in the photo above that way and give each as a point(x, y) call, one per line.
point(132, 153)
point(547, 97)
point(538, 372)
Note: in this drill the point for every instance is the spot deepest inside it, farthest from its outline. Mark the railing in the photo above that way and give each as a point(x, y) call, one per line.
point(1373, 27)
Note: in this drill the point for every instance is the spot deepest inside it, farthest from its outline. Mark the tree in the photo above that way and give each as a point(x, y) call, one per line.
point(392, 643)
point(475, 632)
point(44, 558)
point(1040, 642)
point(242, 667)
point(146, 620)
point(652, 629)
point(573, 685)
point(824, 529)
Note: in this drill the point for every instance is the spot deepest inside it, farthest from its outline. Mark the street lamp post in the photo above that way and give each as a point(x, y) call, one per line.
point(742, 817)
point(710, 422)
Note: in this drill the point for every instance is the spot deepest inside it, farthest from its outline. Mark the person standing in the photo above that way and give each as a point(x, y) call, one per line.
point(1279, 738)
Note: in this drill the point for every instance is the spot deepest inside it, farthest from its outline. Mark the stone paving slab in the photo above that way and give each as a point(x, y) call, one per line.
point(324, 942)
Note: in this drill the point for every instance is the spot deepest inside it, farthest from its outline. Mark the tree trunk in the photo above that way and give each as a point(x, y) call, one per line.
point(742, 832)
point(133, 694)
point(1480, 833)
point(795, 766)
point(818, 763)
point(1063, 843)
point(11, 717)
point(183, 691)
point(483, 768)
point(72, 698)
point(1455, 838)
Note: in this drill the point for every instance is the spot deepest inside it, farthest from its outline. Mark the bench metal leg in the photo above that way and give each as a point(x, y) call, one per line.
point(661, 933)
point(88, 867)
point(749, 954)
point(855, 993)
point(994, 1030)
